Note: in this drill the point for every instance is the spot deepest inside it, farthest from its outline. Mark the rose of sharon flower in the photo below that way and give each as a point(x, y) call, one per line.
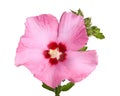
point(50, 49)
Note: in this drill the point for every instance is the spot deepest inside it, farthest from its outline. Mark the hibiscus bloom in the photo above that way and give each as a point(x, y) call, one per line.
point(50, 49)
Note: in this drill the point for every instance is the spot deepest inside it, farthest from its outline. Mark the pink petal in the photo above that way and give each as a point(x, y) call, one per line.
point(72, 31)
point(80, 64)
point(41, 30)
point(27, 55)
point(27, 51)
point(32, 59)
point(29, 43)
point(53, 75)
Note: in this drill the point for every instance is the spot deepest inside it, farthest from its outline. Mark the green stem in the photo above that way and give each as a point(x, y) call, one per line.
point(57, 91)
point(57, 95)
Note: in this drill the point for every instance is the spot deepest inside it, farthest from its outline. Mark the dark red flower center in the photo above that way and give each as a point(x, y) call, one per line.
point(55, 52)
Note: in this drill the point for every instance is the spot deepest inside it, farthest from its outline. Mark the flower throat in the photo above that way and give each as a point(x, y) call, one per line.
point(55, 53)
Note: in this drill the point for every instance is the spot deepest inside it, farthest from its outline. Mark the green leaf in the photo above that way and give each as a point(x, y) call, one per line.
point(87, 22)
point(47, 87)
point(67, 86)
point(84, 48)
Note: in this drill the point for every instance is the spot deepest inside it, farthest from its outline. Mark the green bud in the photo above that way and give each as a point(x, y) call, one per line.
point(95, 31)
point(79, 12)
point(91, 30)
point(87, 22)
point(74, 12)
point(99, 35)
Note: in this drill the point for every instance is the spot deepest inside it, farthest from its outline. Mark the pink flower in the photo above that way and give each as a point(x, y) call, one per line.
point(50, 49)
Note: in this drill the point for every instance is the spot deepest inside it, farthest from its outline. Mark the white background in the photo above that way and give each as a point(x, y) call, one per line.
point(18, 81)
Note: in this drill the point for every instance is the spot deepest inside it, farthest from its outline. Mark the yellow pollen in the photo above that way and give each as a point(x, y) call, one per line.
point(55, 53)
